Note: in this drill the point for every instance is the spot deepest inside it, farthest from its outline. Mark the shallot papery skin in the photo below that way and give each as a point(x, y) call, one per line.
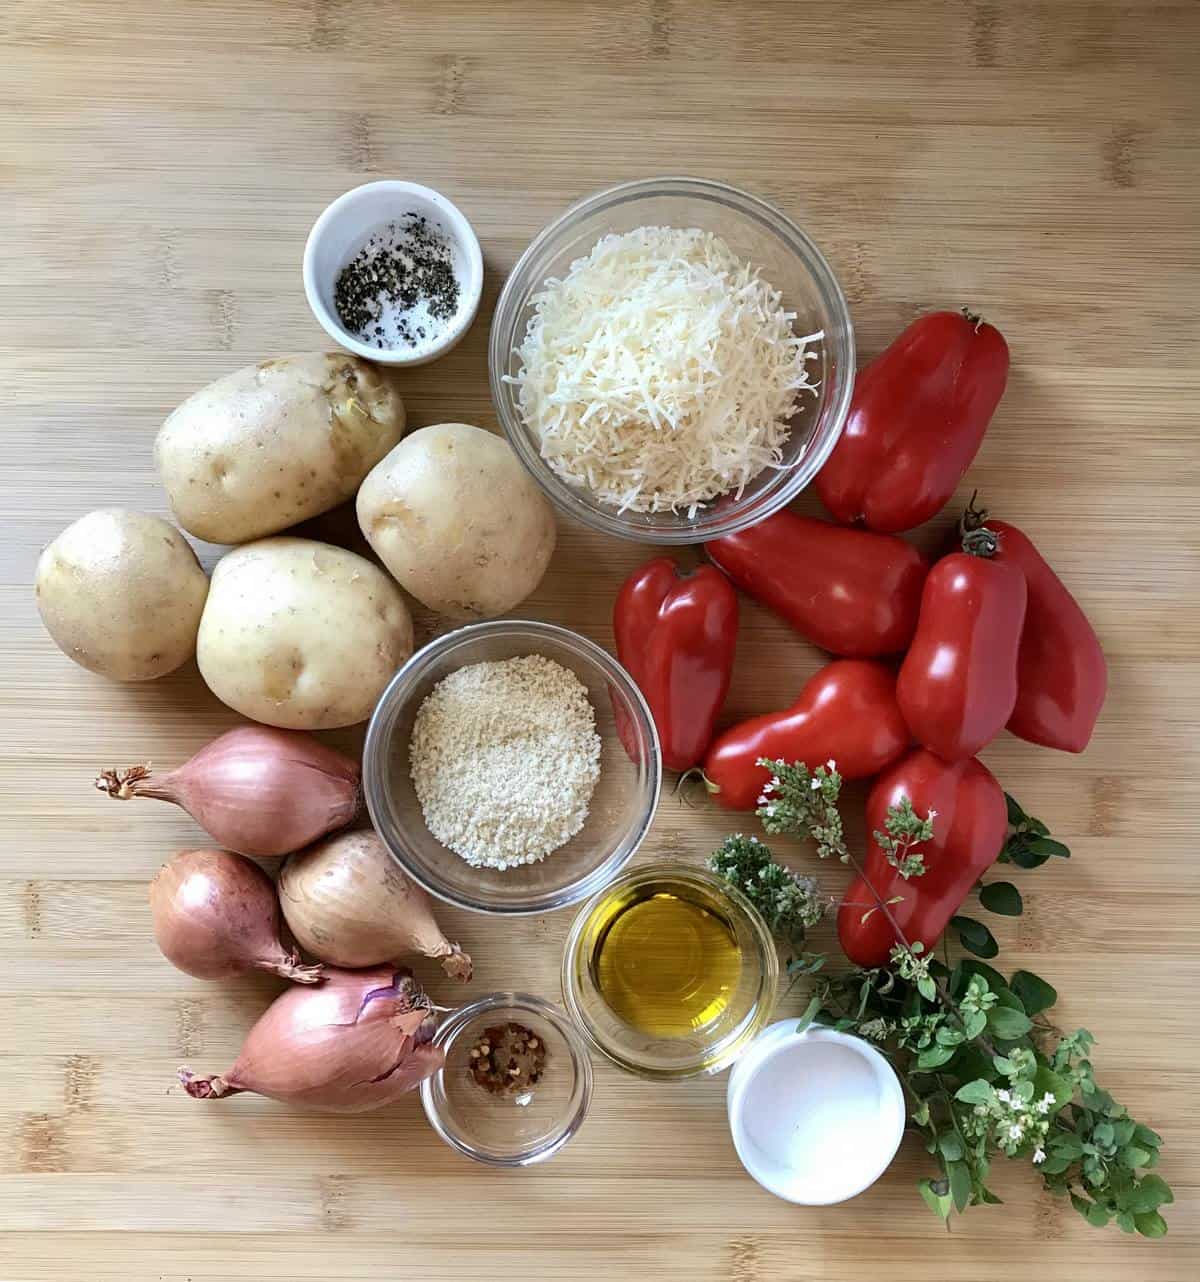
point(347, 902)
point(356, 1042)
point(257, 790)
point(216, 914)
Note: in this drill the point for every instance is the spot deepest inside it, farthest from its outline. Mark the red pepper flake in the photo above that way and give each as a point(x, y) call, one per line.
point(508, 1059)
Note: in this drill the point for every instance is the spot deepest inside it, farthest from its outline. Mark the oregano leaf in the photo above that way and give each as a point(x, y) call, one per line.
point(950, 1146)
point(1034, 993)
point(977, 1092)
point(1008, 1024)
point(975, 936)
point(939, 1203)
point(810, 1013)
point(960, 1184)
point(1003, 898)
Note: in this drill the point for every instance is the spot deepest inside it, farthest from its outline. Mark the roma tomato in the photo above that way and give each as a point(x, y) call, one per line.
point(847, 713)
point(1062, 677)
point(958, 683)
point(849, 591)
point(969, 825)
point(676, 635)
point(916, 421)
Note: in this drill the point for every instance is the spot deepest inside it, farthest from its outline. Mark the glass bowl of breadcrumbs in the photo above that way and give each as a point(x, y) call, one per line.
point(512, 767)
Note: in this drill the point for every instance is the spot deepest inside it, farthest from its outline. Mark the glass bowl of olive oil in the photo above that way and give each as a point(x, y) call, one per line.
point(670, 972)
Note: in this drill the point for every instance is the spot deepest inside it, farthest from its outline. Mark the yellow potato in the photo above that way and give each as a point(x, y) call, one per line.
point(460, 523)
point(121, 593)
point(301, 634)
point(274, 444)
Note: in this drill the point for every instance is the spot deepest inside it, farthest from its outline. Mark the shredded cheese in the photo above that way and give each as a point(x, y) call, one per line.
point(661, 371)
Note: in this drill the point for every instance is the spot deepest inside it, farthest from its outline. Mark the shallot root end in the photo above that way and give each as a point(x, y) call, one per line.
point(118, 784)
point(206, 1087)
point(294, 969)
point(457, 964)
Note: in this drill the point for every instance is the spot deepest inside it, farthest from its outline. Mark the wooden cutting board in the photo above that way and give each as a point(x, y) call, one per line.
point(162, 162)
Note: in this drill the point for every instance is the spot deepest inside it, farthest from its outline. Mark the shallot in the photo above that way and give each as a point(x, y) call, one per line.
point(348, 903)
point(355, 1043)
point(216, 915)
point(256, 790)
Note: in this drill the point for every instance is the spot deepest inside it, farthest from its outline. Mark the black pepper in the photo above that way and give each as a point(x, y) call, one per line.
point(405, 264)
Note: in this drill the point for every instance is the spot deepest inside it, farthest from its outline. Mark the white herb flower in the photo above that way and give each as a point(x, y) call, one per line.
point(816, 785)
point(831, 764)
point(1015, 1131)
point(1039, 1155)
point(769, 786)
point(1004, 1097)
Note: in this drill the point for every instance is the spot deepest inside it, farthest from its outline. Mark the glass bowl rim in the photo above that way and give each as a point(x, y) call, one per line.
point(744, 202)
point(374, 758)
point(581, 1096)
point(740, 1039)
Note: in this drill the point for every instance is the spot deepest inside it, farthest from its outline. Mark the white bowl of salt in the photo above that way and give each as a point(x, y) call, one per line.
point(817, 1116)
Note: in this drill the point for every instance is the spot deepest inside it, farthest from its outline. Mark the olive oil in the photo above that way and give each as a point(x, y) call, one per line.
point(665, 962)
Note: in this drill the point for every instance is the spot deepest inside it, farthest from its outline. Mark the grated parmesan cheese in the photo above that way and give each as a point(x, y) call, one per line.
point(661, 371)
point(504, 758)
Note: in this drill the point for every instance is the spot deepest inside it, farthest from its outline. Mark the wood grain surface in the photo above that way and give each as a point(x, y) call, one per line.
point(162, 161)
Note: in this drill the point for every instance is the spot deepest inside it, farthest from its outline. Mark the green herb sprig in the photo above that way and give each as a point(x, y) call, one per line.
point(790, 904)
point(905, 829)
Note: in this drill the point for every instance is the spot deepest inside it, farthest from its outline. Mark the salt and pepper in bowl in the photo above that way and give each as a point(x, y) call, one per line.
point(393, 272)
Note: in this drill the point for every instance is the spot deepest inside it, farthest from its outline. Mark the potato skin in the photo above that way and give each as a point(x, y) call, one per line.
point(459, 522)
point(121, 593)
point(301, 634)
point(276, 443)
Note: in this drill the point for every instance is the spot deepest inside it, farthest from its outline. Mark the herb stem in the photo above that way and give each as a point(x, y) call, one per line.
point(942, 991)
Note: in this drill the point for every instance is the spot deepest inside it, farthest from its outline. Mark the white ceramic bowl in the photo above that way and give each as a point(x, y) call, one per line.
point(340, 233)
point(817, 1116)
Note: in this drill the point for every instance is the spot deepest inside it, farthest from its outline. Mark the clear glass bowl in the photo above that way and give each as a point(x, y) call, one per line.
point(758, 233)
point(622, 806)
point(716, 1044)
point(529, 1125)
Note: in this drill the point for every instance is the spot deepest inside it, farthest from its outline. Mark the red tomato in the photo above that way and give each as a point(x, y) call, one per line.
point(958, 683)
point(969, 826)
point(1061, 674)
point(849, 591)
point(919, 413)
point(846, 713)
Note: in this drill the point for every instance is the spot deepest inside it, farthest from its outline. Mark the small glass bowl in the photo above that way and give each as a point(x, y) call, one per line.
point(708, 1049)
point(758, 233)
point(621, 809)
point(509, 1130)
